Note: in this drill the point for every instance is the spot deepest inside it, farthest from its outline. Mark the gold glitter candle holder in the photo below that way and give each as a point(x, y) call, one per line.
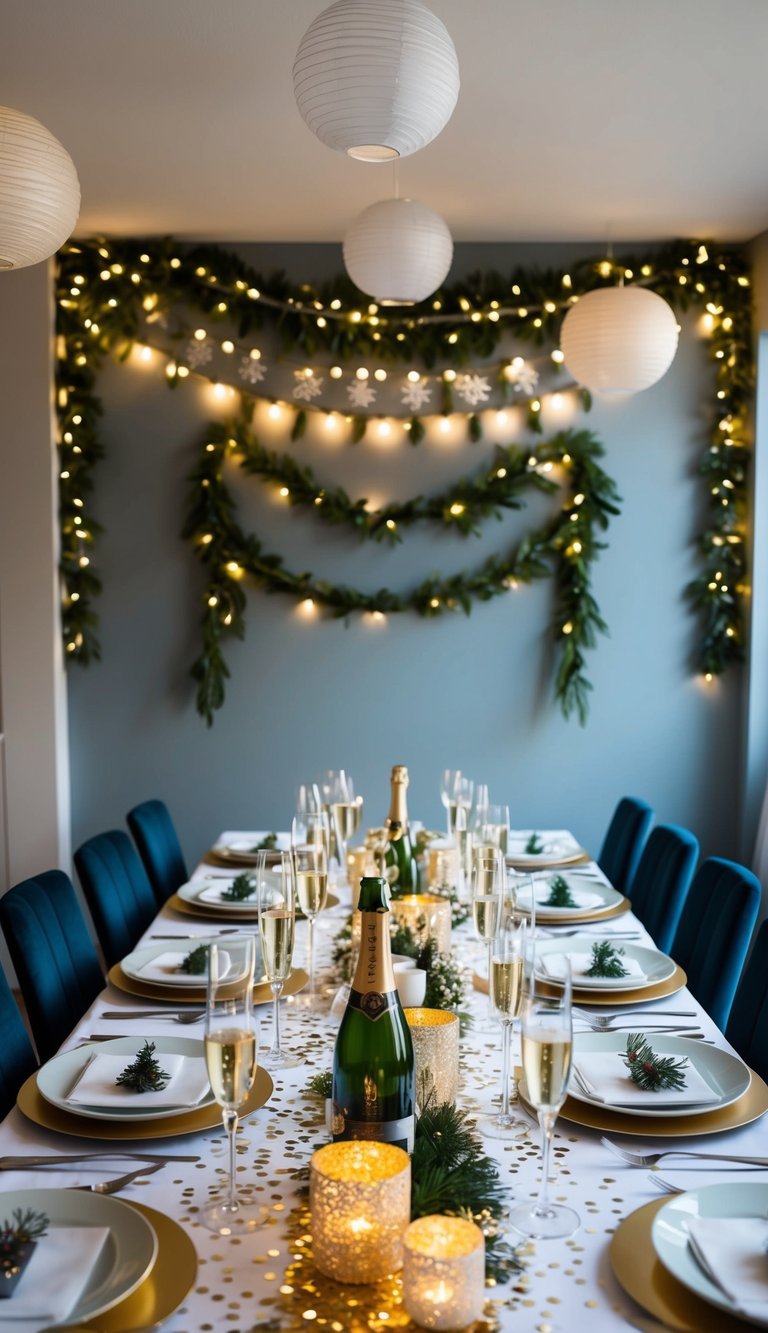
point(435, 1037)
point(444, 1272)
point(360, 1199)
point(427, 916)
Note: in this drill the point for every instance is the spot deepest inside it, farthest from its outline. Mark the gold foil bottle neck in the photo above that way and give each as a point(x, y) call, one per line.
point(400, 774)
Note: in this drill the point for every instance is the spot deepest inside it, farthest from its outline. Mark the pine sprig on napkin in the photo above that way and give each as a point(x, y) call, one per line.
point(196, 961)
point(243, 886)
point(534, 845)
point(651, 1072)
point(267, 844)
point(25, 1225)
point(560, 894)
point(144, 1073)
point(606, 961)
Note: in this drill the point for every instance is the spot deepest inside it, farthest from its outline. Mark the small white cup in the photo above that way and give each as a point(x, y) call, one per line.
point(411, 985)
point(402, 960)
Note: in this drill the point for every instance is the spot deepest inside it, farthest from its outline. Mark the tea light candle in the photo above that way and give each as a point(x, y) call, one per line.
point(435, 1037)
point(427, 916)
point(442, 866)
point(411, 984)
point(444, 1272)
point(360, 1200)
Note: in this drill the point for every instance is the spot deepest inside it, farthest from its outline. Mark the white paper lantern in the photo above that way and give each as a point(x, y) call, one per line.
point(377, 79)
point(39, 191)
point(619, 340)
point(398, 251)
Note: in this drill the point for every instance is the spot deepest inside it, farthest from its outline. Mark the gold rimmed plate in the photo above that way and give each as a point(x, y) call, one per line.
point(643, 1276)
point(165, 1286)
point(582, 996)
point(33, 1105)
point(222, 912)
point(575, 918)
point(175, 994)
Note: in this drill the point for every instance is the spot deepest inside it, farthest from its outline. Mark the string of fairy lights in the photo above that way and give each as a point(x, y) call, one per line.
point(190, 309)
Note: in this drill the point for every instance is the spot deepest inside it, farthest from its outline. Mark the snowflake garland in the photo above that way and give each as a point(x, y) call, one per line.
point(474, 389)
point(415, 396)
point(199, 352)
point(308, 386)
point(252, 370)
point(361, 393)
point(521, 375)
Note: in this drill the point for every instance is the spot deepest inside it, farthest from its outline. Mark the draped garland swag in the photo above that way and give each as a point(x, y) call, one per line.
point(114, 294)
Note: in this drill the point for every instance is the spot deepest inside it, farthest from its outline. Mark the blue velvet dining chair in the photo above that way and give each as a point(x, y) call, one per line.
point(662, 880)
point(17, 1059)
point(623, 841)
point(712, 939)
point(117, 891)
point(747, 1026)
point(159, 848)
point(53, 954)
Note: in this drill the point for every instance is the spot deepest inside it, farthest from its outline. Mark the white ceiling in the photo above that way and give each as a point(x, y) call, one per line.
point(576, 119)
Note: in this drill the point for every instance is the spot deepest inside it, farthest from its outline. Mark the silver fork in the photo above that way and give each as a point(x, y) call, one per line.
point(604, 1020)
point(665, 1186)
point(650, 1159)
point(611, 1026)
point(183, 1016)
point(119, 1182)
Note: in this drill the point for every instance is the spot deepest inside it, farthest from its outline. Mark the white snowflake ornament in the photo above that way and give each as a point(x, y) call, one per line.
point(522, 375)
point(415, 396)
point(361, 393)
point(252, 371)
point(199, 352)
point(474, 389)
point(308, 386)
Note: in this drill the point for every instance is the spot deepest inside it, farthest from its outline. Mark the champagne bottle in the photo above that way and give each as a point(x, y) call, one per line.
point(401, 869)
point(373, 1082)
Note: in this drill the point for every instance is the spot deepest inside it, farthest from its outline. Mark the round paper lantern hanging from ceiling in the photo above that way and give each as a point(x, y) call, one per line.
point(39, 191)
point(398, 251)
point(377, 79)
point(619, 340)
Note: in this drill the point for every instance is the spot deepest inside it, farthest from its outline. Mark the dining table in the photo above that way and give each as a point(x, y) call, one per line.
point(266, 1280)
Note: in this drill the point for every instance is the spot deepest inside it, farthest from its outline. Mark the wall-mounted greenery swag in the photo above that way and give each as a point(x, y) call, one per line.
point(113, 294)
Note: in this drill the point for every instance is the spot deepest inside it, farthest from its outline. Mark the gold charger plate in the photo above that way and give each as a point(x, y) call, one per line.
point(174, 995)
point(33, 1105)
point(575, 918)
point(523, 861)
point(644, 1277)
point(642, 995)
point(210, 912)
point(165, 1286)
point(750, 1106)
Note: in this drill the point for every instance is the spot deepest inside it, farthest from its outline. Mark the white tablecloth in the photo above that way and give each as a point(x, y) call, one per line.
point(244, 1283)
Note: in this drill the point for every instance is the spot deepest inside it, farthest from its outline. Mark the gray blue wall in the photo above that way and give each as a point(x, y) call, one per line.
point(474, 693)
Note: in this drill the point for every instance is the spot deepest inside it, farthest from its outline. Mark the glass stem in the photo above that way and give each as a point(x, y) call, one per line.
point(277, 986)
point(490, 962)
point(230, 1124)
point(506, 1029)
point(547, 1125)
point(512, 1078)
point(311, 959)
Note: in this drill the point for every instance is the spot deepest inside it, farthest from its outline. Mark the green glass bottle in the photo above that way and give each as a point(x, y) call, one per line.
point(373, 1086)
point(401, 868)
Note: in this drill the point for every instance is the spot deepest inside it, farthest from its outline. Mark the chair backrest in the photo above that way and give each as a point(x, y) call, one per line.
point(17, 1059)
point(155, 836)
point(713, 936)
point(53, 954)
point(117, 892)
point(662, 880)
point(623, 841)
point(747, 1028)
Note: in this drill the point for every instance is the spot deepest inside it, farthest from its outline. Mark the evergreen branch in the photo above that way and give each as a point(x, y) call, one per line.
point(606, 961)
point(144, 1073)
point(243, 886)
point(196, 961)
point(559, 893)
point(651, 1072)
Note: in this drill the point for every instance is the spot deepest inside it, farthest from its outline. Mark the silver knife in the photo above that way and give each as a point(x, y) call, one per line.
point(150, 1013)
point(22, 1163)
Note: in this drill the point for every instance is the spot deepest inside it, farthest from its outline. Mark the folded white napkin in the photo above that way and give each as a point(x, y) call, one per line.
point(732, 1253)
point(165, 968)
point(187, 1083)
point(54, 1279)
point(553, 965)
point(556, 841)
point(245, 842)
point(605, 1079)
point(214, 893)
point(585, 899)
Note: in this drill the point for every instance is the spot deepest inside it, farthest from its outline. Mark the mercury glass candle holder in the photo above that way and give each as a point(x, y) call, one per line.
point(435, 1037)
point(427, 916)
point(360, 1200)
point(444, 1272)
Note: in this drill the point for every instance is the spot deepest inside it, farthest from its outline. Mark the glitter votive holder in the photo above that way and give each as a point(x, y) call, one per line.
point(444, 1272)
point(435, 1037)
point(427, 916)
point(360, 1200)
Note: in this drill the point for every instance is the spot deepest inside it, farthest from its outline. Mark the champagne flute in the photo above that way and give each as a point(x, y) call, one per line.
point(343, 812)
point(308, 799)
point(230, 1057)
point(479, 808)
point(487, 883)
point(448, 780)
point(310, 877)
point(463, 839)
point(496, 827)
point(277, 919)
point(547, 1032)
point(506, 992)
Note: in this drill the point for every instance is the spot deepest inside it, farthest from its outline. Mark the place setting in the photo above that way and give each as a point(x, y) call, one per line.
point(565, 899)
point(606, 969)
point(531, 849)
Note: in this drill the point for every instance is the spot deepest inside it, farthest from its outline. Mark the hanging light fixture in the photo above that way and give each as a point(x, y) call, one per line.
point(619, 340)
point(398, 251)
point(39, 191)
point(377, 79)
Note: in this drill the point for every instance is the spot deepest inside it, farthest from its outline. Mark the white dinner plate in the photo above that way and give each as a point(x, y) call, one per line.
point(56, 1078)
point(724, 1073)
point(134, 964)
point(242, 847)
point(207, 893)
point(669, 1233)
point(590, 896)
point(559, 848)
point(656, 966)
point(126, 1258)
